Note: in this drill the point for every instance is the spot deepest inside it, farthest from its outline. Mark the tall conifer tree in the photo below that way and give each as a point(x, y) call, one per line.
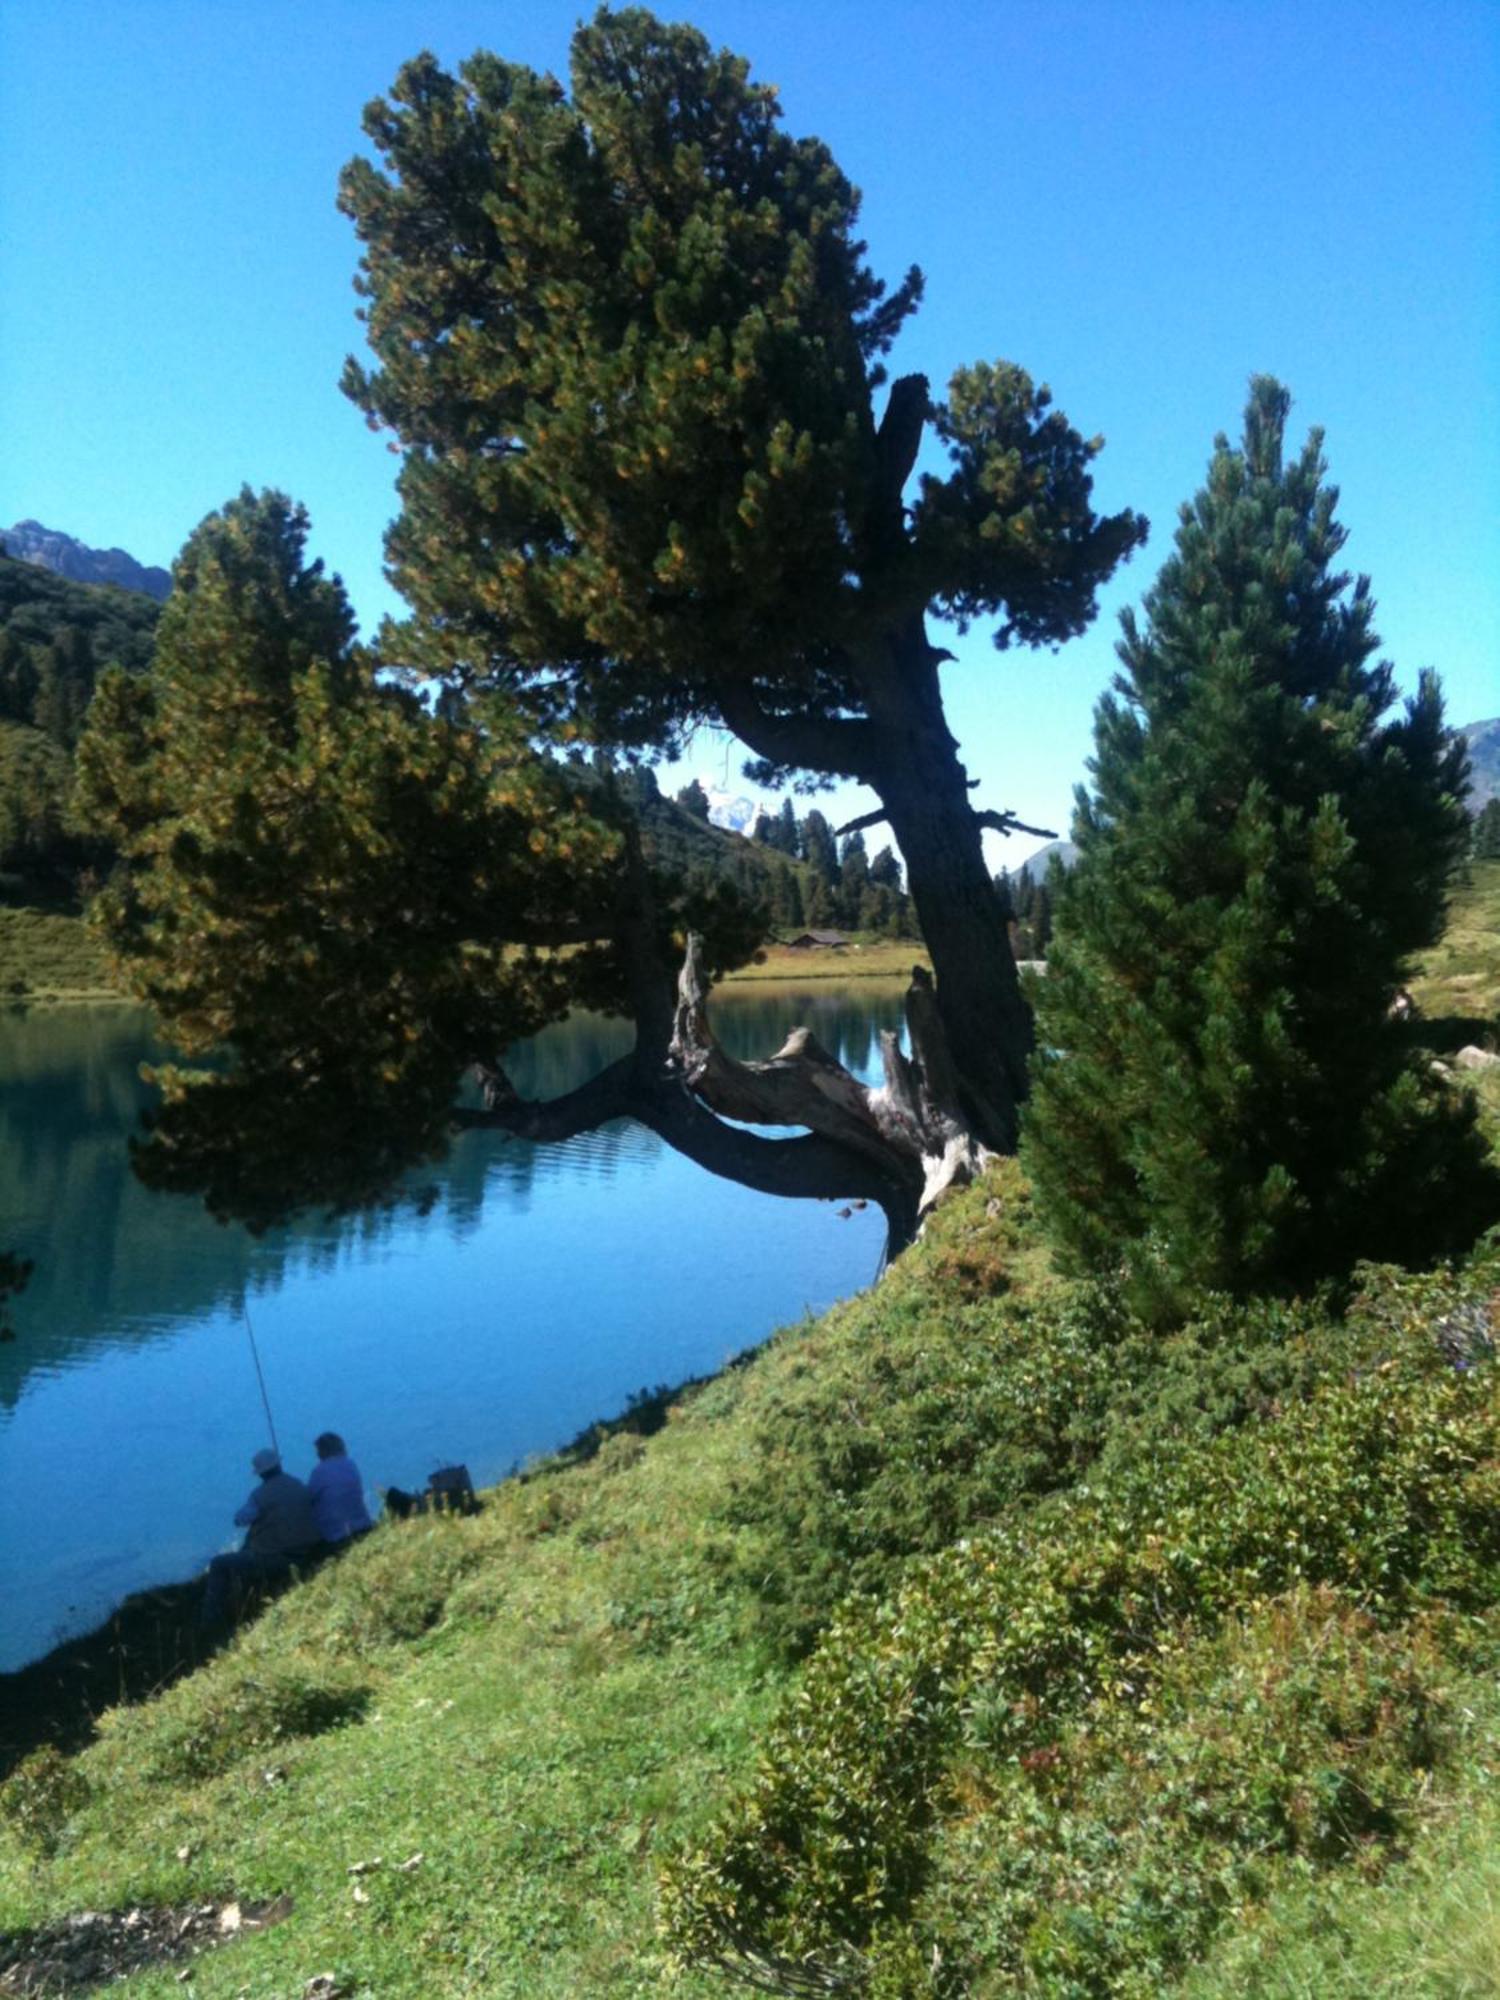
point(1224, 1100)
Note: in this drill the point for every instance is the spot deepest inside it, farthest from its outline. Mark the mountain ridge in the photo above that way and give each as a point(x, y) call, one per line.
point(66, 556)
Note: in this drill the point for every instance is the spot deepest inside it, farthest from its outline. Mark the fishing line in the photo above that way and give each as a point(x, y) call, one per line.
point(259, 1375)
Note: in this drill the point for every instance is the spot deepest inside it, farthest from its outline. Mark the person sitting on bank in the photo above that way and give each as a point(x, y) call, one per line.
point(337, 1491)
point(281, 1530)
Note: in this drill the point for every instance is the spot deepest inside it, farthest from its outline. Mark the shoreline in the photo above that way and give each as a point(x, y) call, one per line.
point(152, 1639)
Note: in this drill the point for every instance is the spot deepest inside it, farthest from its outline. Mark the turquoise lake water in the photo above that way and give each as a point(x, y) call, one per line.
point(544, 1286)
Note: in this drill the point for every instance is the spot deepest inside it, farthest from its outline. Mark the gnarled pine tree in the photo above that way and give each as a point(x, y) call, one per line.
point(629, 344)
point(1225, 1099)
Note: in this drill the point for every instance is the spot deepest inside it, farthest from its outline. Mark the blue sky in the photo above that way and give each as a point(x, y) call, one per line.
point(1140, 201)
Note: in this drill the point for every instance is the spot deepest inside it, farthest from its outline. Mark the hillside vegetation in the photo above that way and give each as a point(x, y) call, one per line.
point(1167, 1664)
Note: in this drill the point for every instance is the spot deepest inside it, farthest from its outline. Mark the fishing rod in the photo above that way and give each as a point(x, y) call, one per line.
point(259, 1375)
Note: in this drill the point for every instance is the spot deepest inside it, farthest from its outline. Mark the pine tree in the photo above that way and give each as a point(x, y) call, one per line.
point(626, 337)
point(1042, 919)
point(822, 912)
point(854, 880)
point(1223, 1100)
point(788, 833)
point(885, 869)
point(321, 879)
point(822, 853)
point(1485, 838)
point(692, 798)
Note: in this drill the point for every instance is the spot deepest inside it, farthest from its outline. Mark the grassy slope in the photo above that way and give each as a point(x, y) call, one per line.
point(866, 957)
point(535, 1700)
point(544, 1700)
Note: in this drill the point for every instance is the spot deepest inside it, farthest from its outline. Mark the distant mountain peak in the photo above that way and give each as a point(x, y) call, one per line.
point(66, 556)
point(733, 813)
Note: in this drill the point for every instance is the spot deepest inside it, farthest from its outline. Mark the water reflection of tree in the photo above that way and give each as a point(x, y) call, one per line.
point(116, 1265)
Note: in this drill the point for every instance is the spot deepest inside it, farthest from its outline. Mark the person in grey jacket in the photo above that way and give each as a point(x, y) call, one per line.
point(280, 1529)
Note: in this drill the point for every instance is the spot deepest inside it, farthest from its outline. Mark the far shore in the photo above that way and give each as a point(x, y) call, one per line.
point(49, 959)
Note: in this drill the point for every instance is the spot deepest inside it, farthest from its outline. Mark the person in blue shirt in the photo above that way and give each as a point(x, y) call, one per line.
point(337, 1491)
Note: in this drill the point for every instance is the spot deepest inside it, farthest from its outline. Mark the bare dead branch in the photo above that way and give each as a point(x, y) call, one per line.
point(876, 818)
point(1006, 822)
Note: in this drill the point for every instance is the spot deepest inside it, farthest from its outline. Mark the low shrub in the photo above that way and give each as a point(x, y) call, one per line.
point(1299, 1737)
point(1383, 1483)
point(40, 1796)
point(923, 1426)
point(207, 1725)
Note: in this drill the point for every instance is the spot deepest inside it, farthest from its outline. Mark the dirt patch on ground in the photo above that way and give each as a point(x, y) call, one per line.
point(97, 1946)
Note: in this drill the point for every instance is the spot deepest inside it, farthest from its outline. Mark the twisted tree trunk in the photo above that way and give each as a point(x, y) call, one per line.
point(902, 1143)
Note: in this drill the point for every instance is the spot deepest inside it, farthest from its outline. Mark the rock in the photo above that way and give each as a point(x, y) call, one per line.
point(1476, 1058)
point(261, 1916)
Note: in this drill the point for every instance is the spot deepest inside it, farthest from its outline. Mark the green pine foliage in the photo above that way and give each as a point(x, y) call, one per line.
point(1222, 1099)
point(321, 879)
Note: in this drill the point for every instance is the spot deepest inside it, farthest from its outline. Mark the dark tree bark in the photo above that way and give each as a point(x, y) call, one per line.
point(904, 750)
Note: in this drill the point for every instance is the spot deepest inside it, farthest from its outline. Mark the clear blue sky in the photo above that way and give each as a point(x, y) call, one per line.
point(1141, 201)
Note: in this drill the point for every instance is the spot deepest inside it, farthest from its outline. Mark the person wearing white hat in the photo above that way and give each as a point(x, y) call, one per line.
point(280, 1530)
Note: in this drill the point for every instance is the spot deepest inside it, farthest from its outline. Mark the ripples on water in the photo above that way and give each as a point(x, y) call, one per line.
point(542, 1288)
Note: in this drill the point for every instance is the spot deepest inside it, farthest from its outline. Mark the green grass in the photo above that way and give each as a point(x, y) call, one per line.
point(1457, 984)
point(864, 958)
point(1460, 977)
point(48, 954)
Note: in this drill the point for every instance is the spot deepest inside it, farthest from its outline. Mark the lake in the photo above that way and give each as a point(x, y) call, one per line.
point(542, 1288)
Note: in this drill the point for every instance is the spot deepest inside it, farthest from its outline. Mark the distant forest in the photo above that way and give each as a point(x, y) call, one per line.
point(57, 637)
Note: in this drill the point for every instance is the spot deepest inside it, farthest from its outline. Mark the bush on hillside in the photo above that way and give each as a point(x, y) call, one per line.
point(929, 1416)
point(1384, 1484)
point(1298, 1738)
point(208, 1724)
